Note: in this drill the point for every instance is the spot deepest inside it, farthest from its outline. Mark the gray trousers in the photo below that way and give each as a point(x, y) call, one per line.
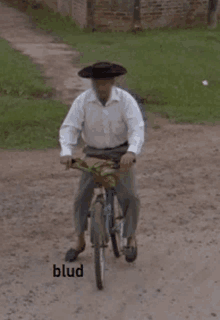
point(127, 195)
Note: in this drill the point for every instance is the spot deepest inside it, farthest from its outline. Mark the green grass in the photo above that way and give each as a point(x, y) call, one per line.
point(27, 120)
point(165, 66)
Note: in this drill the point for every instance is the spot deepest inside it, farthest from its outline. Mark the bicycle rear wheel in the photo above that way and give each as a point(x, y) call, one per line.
point(99, 244)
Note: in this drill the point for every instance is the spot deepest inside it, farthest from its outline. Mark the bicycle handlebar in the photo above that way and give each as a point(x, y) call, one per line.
point(115, 166)
point(107, 184)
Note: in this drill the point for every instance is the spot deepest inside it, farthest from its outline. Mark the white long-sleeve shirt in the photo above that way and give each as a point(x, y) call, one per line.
point(102, 127)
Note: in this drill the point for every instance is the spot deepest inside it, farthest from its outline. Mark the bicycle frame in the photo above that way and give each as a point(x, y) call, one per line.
point(108, 207)
point(108, 212)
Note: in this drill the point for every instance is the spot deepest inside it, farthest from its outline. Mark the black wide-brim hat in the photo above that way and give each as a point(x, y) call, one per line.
point(102, 70)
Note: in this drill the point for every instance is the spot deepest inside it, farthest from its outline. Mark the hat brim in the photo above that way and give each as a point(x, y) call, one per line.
point(87, 72)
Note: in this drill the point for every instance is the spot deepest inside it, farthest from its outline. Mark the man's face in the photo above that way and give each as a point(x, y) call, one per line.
point(103, 87)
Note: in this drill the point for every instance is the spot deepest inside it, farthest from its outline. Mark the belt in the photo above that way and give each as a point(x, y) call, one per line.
point(121, 145)
point(107, 153)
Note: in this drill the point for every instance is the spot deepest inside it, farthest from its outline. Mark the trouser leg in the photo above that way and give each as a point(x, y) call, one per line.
point(82, 202)
point(128, 198)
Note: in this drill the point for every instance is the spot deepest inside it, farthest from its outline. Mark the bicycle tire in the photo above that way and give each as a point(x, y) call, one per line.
point(115, 237)
point(115, 245)
point(99, 245)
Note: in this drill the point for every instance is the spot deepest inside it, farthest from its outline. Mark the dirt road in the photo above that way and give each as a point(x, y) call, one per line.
point(176, 274)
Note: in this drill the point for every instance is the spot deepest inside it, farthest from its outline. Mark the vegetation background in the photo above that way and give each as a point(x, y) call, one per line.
point(166, 67)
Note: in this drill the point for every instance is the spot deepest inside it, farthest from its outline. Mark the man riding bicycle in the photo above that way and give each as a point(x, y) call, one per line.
point(112, 126)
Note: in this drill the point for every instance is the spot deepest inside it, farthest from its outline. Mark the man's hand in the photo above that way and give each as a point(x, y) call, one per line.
point(127, 161)
point(66, 160)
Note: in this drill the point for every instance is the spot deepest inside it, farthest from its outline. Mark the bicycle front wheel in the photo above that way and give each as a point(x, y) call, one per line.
point(99, 245)
point(118, 225)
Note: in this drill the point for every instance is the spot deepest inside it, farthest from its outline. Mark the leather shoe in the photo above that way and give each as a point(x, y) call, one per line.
point(131, 251)
point(130, 254)
point(72, 254)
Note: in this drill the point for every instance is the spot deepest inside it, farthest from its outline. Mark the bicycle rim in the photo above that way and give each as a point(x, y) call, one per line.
point(99, 249)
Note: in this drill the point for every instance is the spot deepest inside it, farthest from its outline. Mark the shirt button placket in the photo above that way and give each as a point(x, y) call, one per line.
point(105, 124)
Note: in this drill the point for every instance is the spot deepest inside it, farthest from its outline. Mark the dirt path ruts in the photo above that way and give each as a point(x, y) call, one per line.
point(56, 59)
point(176, 274)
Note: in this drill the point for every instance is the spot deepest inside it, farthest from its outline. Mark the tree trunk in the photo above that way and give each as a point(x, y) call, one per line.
point(212, 14)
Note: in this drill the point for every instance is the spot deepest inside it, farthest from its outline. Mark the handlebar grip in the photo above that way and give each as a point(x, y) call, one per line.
point(117, 164)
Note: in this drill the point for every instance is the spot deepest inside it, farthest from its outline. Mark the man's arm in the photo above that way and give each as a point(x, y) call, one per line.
point(71, 128)
point(69, 136)
point(136, 130)
point(135, 124)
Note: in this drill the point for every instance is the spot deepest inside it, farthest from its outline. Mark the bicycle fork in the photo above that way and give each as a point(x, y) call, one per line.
point(106, 214)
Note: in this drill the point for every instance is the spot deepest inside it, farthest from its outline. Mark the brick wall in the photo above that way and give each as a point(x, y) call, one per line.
point(64, 7)
point(75, 8)
point(159, 13)
point(153, 14)
point(79, 12)
point(117, 15)
point(109, 16)
point(51, 4)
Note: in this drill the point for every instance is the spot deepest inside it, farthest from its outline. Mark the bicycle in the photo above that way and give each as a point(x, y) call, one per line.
point(104, 222)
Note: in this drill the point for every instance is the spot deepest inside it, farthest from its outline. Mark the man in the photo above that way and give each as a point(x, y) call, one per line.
point(113, 128)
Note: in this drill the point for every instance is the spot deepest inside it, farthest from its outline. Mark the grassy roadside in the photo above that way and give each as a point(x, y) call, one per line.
point(29, 119)
point(165, 67)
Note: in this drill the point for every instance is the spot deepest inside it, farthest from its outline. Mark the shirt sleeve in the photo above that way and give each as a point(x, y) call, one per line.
point(71, 128)
point(135, 124)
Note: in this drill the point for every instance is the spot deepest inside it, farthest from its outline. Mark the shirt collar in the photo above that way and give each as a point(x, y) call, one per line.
point(113, 95)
